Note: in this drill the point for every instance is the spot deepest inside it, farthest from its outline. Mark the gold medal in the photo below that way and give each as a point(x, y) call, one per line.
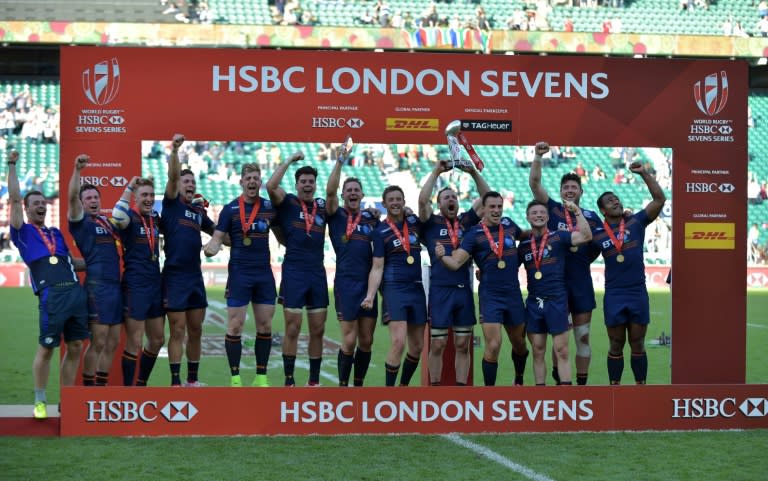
point(574, 249)
point(247, 241)
point(344, 239)
point(53, 260)
point(501, 264)
point(409, 260)
point(538, 275)
point(154, 258)
point(620, 258)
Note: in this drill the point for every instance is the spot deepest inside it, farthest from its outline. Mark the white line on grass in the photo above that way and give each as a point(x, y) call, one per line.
point(494, 456)
point(757, 325)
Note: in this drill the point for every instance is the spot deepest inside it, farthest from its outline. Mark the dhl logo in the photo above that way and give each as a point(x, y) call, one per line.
point(416, 125)
point(710, 235)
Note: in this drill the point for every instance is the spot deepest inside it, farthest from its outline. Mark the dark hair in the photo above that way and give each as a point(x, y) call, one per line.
point(30, 194)
point(307, 169)
point(600, 199)
point(491, 193)
point(534, 203)
point(186, 172)
point(441, 191)
point(86, 187)
point(570, 176)
point(144, 182)
point(351, 179)
point(392, 188)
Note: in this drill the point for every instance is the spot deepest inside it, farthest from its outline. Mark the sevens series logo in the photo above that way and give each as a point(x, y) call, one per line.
point(101, 84)
point(715, 94)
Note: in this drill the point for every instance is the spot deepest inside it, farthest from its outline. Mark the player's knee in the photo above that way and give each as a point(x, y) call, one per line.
point(437, 346)
point(194, 332)
point(492, 347)
point(581, 335)
point(74, 348)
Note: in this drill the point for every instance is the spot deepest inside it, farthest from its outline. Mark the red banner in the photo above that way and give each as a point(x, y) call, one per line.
point(115, 97)
point(208, 411)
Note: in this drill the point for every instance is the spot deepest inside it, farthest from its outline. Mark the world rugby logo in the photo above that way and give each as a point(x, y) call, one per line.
point(102, 82)
point(715, 94)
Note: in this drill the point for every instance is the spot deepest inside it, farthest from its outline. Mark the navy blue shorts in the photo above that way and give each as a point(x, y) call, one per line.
point(250, 284)
point(300, 289)
point(501, 307)
point(105, 303)
point(183, 291)
point(546, 316)
point(63, 310)
point(626, 306)
point(143, 301)
point(451, 306)
point(404, 302)
point(581, 297)
point(349, 294)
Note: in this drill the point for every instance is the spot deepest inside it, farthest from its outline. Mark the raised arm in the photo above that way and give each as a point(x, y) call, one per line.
point(75, 206)
point(657, 194)
point(534, 178)
point(482, 189)
point(174, 168)
point(425, 196)
point(332, 188)
point(454, 261)
point(584, 232)
point(374, 280)
point(276, 193)
point(14, 192)
point(121, 212)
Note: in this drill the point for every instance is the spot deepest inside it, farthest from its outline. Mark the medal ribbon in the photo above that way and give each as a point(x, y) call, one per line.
point(538, 254)
point(453, 231)
point(50, 242)
point(108, 227)
point(308, 221)
point(569, 221)
point(150, 232)
point(403, 237)
point(618, 243)
point(497, 247)
point(352, 222)
point(479, 165)
point(254, 212)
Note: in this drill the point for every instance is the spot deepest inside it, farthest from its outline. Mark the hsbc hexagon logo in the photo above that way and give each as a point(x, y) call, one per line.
point(118, 181)
point(726, 188)
point(712, 97)
point(116, 120)
point(101, 82)
point(179, 411)
point(754, 407)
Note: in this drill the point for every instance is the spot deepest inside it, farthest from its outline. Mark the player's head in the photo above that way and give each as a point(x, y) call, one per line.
point(448, 202)
point(570, 187)
point(610, 205)
point(393, 198)
point(352, 193)
point(306, 182)
point(187, 185)
point(250, 180)
point(36, 207)
point(144, 195)
point(90, 198)
point(493, 207)
point(536, 213)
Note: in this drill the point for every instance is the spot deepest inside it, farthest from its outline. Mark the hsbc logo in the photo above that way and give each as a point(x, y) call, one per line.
point(101, 82)
point(104, 180)
point(116, 120)
point(178, 411)
point(132, 411)
point(696, 408)
point(336, 123)
point(712, 96)
point(709, 187)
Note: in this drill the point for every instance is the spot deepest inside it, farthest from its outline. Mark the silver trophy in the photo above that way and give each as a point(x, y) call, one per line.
point(452, 132)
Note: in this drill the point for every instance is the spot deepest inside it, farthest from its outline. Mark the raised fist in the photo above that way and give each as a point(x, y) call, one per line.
point(81, 161)
point(296, 157)
point(636, 167)
point(13, 157)
point(178, 139)
point(541, 148)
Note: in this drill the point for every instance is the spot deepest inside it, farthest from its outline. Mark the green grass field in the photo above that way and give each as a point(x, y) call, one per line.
point(683, 456)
